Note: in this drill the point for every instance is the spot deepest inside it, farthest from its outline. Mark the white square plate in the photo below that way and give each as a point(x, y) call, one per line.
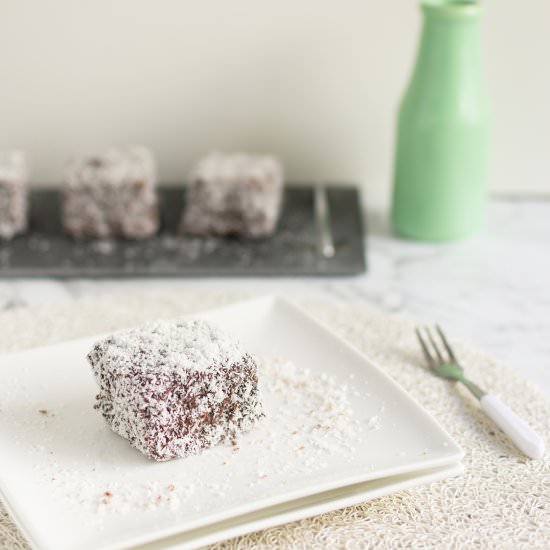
point(337, 431)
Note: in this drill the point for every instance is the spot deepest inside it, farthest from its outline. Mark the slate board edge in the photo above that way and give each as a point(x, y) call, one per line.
point(332, 267)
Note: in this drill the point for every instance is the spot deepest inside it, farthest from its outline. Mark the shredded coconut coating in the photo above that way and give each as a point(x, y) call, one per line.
point(111, 195)
point(13, 194)
point(174, 388)
point(234, 194)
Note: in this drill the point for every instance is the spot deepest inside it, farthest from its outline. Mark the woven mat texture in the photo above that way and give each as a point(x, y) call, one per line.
point(502, 501)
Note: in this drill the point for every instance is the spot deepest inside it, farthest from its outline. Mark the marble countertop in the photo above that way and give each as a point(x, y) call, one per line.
point(492, 290)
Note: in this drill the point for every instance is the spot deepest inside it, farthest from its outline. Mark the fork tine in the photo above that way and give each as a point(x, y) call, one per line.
point(434, 345)
point(446, 343)
point(427, 354)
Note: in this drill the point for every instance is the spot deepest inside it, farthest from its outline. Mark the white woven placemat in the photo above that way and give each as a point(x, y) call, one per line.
point(502, 501)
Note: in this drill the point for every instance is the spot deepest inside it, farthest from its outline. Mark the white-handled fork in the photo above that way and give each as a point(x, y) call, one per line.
point(444, 363)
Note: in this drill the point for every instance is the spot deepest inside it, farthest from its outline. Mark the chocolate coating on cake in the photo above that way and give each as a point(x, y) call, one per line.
point(174, 388)
point(234, 194)
point(13, 194)
point(111, 195)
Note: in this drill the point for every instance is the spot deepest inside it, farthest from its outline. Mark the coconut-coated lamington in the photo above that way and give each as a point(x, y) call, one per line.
point(111, 195)
point(13, 194)
point(174, 388)
point(234, 194)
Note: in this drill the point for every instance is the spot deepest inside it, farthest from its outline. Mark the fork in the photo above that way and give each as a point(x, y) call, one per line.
point(443, 362)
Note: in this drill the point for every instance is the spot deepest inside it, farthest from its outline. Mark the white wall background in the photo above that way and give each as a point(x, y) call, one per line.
point(314, 81)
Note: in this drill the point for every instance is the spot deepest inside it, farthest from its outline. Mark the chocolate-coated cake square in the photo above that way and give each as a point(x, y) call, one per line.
point(111, 195)
point(174, 388)
point(13, 194)
point(234, 194)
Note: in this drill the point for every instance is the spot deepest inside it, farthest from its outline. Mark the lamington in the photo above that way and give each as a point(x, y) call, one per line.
point(13, 194)
point(111, 195)
point(174, 388)
point(234, 194)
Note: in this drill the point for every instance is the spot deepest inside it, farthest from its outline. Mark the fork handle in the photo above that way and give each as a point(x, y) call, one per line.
point(526, 439)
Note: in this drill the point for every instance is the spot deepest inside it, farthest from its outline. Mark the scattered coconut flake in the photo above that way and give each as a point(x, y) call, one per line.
point(309, 427)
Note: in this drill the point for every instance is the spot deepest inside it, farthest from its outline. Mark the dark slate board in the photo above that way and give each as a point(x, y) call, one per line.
point(292, 251)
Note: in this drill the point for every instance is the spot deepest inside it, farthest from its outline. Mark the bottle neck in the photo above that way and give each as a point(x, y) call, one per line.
point(449, 44)
point(448, 67)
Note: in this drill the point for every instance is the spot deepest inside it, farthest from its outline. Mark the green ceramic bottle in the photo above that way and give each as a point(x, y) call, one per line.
point(443, 129)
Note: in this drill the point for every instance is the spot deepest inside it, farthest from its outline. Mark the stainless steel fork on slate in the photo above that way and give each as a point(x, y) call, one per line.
point(443, 362)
